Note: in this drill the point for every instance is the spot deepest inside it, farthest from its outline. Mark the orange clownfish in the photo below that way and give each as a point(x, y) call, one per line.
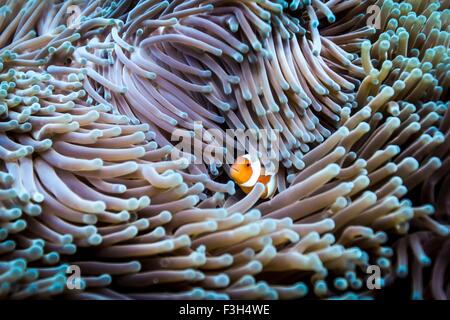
point(247, 172)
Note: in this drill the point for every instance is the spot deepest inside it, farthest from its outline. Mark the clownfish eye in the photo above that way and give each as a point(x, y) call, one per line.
point(248, 164)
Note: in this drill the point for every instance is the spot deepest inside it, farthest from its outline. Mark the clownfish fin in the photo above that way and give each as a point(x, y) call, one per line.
point(271, 187)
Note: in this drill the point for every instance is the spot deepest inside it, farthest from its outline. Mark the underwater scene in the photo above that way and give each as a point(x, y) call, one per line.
point(224, 149)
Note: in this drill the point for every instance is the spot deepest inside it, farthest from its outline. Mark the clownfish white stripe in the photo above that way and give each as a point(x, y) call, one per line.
point(271, 186)
point(256, 172)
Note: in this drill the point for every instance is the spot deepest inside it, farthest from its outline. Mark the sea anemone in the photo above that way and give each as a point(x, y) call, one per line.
point(95, 97)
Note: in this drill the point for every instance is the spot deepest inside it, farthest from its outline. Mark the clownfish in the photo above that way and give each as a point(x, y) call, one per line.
point(247, 172)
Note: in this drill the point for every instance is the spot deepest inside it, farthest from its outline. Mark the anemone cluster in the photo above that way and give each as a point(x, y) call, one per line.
point(92, 91)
